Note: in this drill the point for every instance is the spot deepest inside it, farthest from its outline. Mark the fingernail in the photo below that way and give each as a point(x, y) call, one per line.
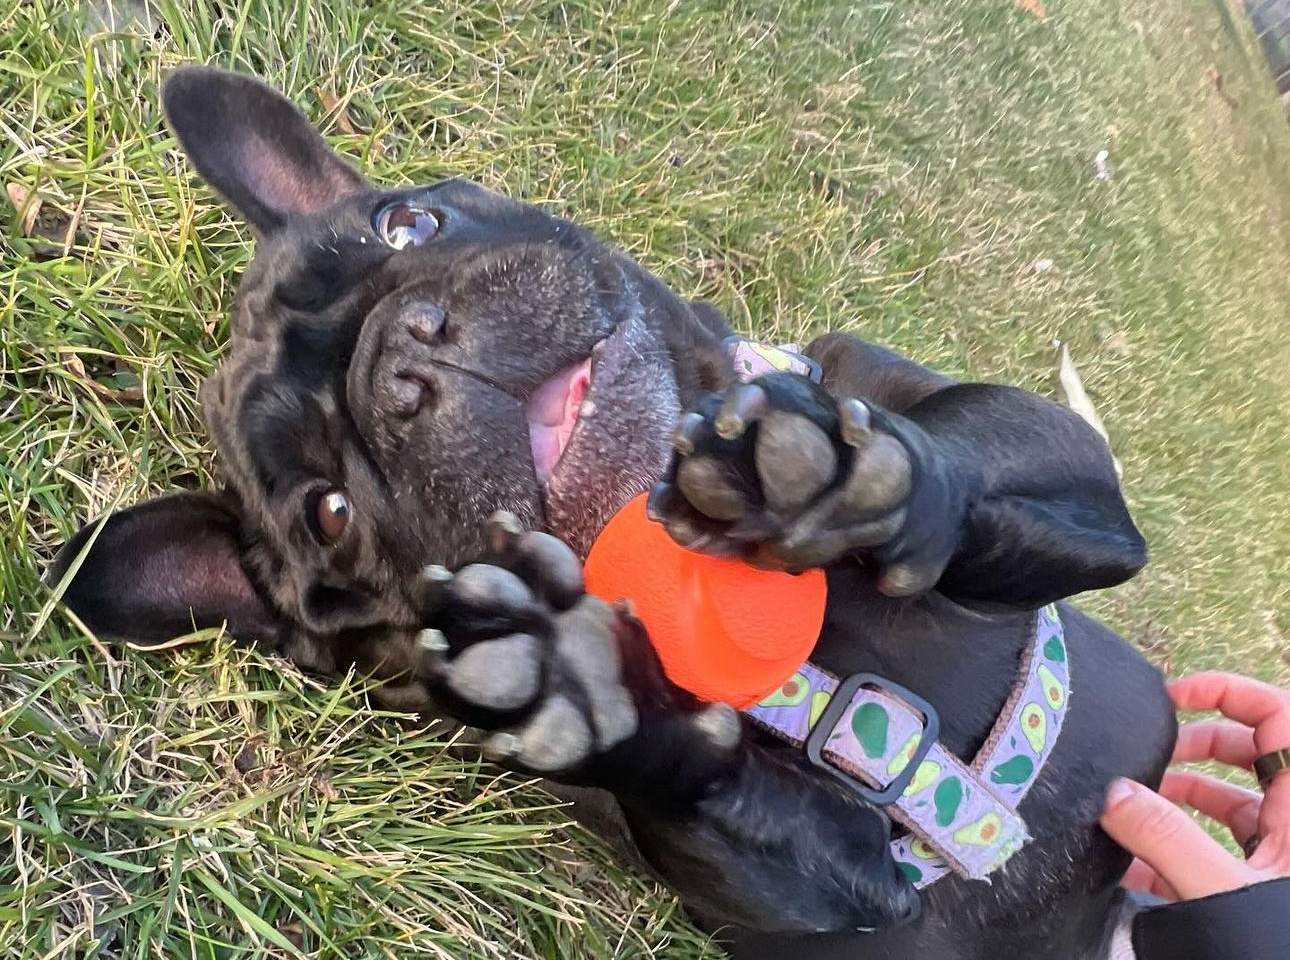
point(1120, 791)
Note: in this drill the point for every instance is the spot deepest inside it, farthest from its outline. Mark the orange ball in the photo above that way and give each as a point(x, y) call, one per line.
point(724, 630)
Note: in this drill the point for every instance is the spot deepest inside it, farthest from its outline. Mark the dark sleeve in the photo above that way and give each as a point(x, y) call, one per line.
point(1252, 923)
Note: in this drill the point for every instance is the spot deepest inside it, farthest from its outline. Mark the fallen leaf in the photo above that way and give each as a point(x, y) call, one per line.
point(1078, 400)
point(332, 104)
point(294, 933)
point(26, 202)
point(1035, 7)
point(77, 369)
point(246, 759)
point(323, 784)
point(1220, 85)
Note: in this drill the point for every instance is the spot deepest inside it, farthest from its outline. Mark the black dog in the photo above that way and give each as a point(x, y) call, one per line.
point(406, 363)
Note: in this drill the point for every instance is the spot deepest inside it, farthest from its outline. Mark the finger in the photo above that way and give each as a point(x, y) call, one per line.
point(1272, 855)
point(1256, 704)
point(1274, 826)
point(1232, 806)
point(1140, 876)
point(1167, 839)
point(1221, 740)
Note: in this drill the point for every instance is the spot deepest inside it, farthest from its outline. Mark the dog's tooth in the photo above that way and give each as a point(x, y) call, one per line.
point(587, 410)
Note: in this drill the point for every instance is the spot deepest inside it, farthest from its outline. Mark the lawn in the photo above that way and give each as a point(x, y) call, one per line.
point(919, 172)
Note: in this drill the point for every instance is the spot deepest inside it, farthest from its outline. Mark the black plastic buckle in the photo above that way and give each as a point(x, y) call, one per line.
point(842, 697)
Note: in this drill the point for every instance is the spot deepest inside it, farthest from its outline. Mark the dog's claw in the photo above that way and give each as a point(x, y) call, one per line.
point(501, 747)
point(656, 502)
point(719, 725)
point(436, 573)
point(504, 528)
point(432, 641)
point(854, 420)
point(432, 586)
point(904, 580)
point(742, 405)
point(686, 433)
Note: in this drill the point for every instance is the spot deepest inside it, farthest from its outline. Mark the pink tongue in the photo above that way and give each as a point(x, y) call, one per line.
point(552, 413)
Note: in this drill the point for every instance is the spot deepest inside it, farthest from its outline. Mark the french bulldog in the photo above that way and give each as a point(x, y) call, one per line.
point(434, 399)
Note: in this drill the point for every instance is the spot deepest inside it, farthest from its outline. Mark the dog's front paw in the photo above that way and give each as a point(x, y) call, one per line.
point(781, 473)
point(567, 685)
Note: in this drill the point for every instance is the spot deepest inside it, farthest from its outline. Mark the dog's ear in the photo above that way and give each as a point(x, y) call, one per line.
point(250, 144)
point(162, 569)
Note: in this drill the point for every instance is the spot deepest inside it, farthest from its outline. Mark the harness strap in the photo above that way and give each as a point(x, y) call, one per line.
point(962, 818)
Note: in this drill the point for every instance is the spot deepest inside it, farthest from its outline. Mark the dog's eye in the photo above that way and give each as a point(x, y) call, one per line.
point(402, 225)
point(331, 515)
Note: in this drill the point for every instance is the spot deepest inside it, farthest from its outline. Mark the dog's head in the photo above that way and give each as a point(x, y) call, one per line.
point(403, 363)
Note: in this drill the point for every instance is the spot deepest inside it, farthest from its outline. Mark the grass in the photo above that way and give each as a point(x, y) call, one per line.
point(905, 170)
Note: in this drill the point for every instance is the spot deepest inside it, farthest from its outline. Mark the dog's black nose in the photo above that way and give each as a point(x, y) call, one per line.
point(424, 321)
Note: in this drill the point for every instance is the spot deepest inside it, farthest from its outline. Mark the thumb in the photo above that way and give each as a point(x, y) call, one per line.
point(1170, 842)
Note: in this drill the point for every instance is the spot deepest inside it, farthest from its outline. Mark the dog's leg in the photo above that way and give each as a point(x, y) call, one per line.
point(569, 688)
point(990, 494)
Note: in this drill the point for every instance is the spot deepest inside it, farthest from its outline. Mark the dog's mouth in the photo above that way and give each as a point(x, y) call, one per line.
point(553, 411)
point(600, 430)
point(558, 408)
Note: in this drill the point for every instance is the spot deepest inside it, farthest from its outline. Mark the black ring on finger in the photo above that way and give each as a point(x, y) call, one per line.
point(1270, 765)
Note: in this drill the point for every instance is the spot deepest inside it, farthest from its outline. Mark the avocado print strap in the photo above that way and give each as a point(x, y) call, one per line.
point(962, 818)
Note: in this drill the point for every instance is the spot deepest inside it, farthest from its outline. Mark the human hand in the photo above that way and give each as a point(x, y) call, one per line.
point(1175, 857)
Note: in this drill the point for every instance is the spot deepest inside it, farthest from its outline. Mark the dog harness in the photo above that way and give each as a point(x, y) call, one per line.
point(881, 739)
